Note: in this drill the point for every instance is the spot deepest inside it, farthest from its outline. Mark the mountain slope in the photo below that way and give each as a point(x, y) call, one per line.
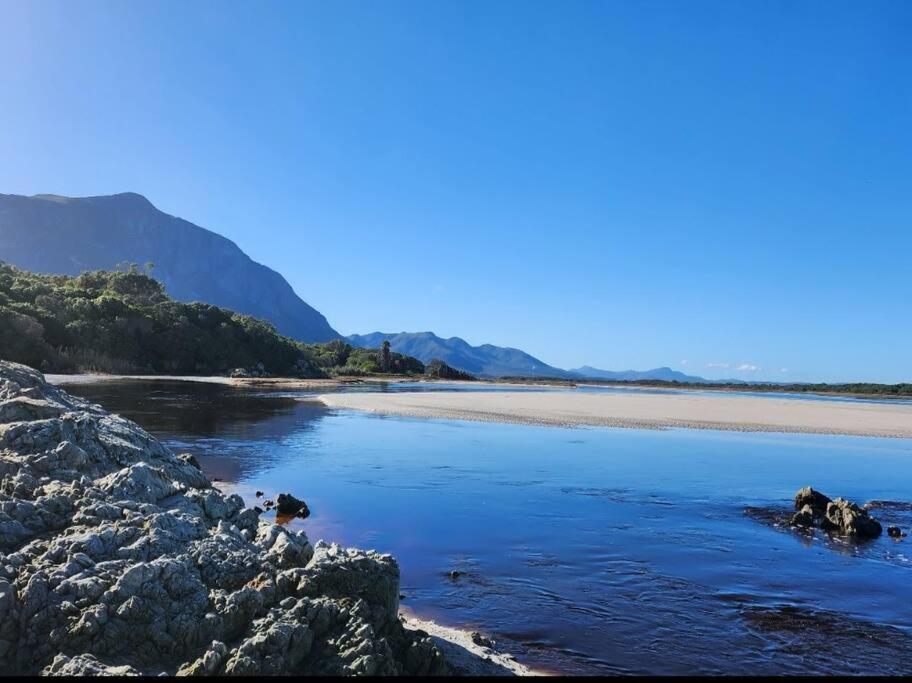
point(665, 374)
point(485, 360)
point(62, 235)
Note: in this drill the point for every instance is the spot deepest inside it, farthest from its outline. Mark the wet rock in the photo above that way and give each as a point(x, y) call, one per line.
point(842, 517)
point(118, 557)
point(287, 504)
point(455, 574)
point(481, 640)
point(848, 519)
point(816, 501)
point(259, 494)
point(895, 532)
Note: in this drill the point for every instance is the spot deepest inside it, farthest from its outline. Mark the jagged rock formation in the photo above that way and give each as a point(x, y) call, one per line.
point(119, 557)
point(840, 516)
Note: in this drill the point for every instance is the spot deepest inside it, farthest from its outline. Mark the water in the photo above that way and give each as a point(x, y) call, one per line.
point(580, 550)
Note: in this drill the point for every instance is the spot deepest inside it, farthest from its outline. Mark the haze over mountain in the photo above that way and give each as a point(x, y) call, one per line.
point(63, 235)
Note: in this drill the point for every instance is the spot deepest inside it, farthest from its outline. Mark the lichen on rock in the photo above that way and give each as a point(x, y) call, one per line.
point(119, 557)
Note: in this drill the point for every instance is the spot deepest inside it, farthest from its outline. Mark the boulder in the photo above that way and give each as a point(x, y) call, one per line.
point(287, 504)
point(836, 516)
point(814, 499)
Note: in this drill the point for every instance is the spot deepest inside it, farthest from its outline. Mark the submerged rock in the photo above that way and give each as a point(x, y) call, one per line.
point(118, 557)
point(287, 504)
point(895, 532)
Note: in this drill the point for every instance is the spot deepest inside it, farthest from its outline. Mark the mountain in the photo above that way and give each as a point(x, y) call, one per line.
point(66, 236)
point(665, 374)
point(485, 360)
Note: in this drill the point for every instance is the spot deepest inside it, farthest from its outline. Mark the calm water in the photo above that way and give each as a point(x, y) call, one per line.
point(581, 550)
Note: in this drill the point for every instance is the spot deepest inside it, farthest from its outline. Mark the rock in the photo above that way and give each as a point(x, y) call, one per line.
point(287, 504)
point(895, 532)
point(804, 518)
point(836, 516)
point(118, 557)
point(813, 499)
point(481, 640)
point(850, 520)
point(455, 574)
point(259, 494)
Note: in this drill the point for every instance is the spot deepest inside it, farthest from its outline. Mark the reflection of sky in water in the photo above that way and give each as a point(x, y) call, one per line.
point(582, 550)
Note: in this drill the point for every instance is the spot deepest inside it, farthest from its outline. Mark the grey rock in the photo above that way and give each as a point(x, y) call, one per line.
point(118, 557)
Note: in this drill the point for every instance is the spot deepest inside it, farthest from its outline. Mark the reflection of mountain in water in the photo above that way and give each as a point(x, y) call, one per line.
point(231, 431)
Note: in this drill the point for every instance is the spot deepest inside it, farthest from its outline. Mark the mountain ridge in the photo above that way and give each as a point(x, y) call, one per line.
point(485, 360)
point(194, 263)
point(488, 360)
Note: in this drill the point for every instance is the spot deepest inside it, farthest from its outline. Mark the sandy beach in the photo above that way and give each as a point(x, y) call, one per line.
point(650, 411)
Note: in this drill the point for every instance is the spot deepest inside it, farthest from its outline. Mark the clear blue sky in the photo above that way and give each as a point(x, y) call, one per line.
point(620, 184)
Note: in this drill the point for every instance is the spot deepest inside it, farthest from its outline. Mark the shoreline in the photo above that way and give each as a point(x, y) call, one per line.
point(114, 539)
point(641, 411)
point(465, 656)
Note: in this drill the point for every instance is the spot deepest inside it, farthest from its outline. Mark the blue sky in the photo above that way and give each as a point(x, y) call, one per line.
point(722, 187)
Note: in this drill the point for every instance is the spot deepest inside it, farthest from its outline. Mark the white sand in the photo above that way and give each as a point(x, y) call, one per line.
point(698, 411)
point(464, 655)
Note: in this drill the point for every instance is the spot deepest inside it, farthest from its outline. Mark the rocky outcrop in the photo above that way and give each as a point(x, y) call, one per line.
point(840, 516)
point(119, 557)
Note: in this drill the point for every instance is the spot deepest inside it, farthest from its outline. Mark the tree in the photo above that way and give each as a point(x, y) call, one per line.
point(385, 357)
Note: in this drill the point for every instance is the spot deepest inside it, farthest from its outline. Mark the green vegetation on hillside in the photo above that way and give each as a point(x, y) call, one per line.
point(124, 322)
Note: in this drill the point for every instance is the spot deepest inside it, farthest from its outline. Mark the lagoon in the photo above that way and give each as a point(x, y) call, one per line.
point(583, 550)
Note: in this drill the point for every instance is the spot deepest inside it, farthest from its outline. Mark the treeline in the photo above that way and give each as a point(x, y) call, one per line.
point(124, 322)
point(902, 390)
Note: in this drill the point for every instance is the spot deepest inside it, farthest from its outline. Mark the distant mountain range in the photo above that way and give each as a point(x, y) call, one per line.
point(497, 361)
point(63, 235)
point(664, 374)
point(484, 361)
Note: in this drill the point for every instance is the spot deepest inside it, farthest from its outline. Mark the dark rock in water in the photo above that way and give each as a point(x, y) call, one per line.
point(455, 574)
point(850, 520)
point(895, 532)
point(259, 494)
point(804, 518)
point(258, 509)
point(481, 640)
point(287, 504)
point(268, 504)
point(838, 516)
point(814, 499)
